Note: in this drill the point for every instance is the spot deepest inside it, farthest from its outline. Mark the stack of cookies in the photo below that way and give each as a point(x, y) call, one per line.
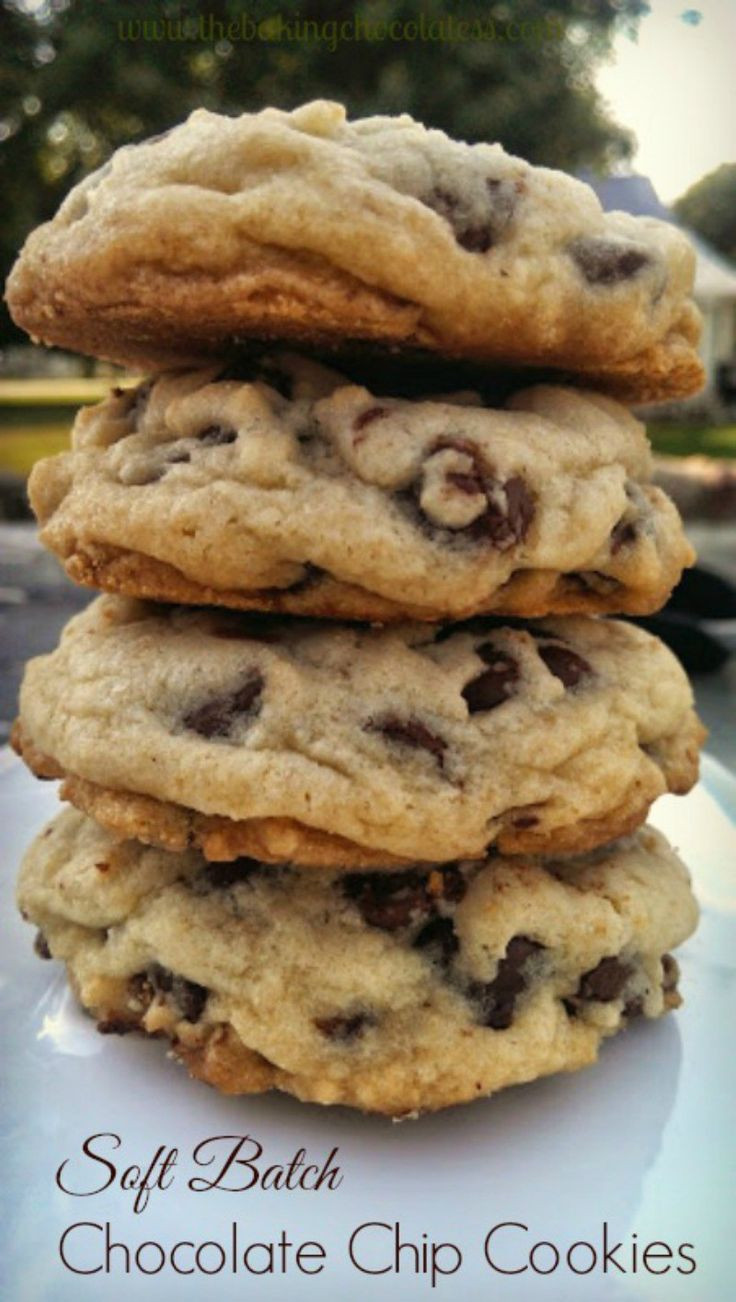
point(358, 770)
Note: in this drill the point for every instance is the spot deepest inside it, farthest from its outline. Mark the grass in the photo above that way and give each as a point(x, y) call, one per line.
point(22, 446)
point(673, 440)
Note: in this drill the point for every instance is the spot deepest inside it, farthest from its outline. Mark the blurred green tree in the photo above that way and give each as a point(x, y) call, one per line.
point(709, 207)
point(79, 77)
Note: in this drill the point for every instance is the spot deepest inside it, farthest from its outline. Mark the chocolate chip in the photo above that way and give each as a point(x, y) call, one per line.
point(344, 1027)
point(605, 982)
point(368, 416)
point(220, 876)
point(140, 990)
point(40, 946)
point(179, 456)
point(525, 820)
point(670, 973)
point(470, 484)
point(389, 900)
point(217, 718)
point(606, 262)
point(510, 506)
point(215, 436)
point(409, 732)
point(448, 883)
point(438, 936)
point(565, 664)
point(496, 684)
point(622, 535)
point(497, 999)
point(510, 526)
point(114, 1026)
point(473, 235)
point(188, 997)
point(392, 900)
point(634, 1007)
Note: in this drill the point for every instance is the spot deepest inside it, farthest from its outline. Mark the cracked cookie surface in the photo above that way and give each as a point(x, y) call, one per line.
point(303, 226)
point(394, 993)
point(343, 745)
point(288, 488)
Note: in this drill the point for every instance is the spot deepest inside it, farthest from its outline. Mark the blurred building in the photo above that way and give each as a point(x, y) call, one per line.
point(715, 285)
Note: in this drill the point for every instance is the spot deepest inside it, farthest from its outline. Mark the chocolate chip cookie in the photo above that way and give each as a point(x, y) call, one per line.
point(394, 993)
point(303, 226)
point(341, 745)
point(284, 487)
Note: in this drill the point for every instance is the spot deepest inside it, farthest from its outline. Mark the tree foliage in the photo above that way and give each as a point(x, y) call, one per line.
point(709, 207)
point(79, 77)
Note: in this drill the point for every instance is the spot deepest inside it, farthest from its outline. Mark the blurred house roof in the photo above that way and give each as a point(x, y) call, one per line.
point(715, 278)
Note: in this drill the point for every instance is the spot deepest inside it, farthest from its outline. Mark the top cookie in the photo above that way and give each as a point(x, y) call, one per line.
point(303, 226)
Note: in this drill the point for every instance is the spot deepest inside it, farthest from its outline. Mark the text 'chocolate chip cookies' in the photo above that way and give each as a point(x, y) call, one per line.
point(360, 802)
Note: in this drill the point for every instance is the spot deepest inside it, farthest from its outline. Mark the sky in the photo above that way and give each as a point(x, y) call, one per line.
point(675, 87)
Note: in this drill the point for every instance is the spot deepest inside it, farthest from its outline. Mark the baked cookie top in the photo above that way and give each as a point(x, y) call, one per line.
point(409, 742)
point(392, 992)
point(281, 485)
point(308, 227)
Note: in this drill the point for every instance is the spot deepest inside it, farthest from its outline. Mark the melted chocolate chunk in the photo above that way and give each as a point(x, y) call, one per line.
point(368, 416)
point(215, 436)
point(114, 1026)
point(496, 684)
point(634, 1007)
point(388, 900)
point(40, 946)
point(525, 820)
point(510, 505)
point(606, 262)
point(409, 732)
point(471, 234)
point(605, 982)
point(217, 718)
point(496, 999)
point(670, 973)
point(448, 883)
point(622, 535)
point(438, 937)
point(344, 1026)
point(392, 900)
point(565, 664)
point(467, 483)
point(509, 524)
point(188, 997)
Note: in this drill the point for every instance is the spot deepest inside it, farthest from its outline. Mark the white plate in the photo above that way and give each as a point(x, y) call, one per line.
point(643, 1141)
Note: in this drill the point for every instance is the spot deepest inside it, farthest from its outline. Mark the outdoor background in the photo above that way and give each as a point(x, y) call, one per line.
point(633, 96)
